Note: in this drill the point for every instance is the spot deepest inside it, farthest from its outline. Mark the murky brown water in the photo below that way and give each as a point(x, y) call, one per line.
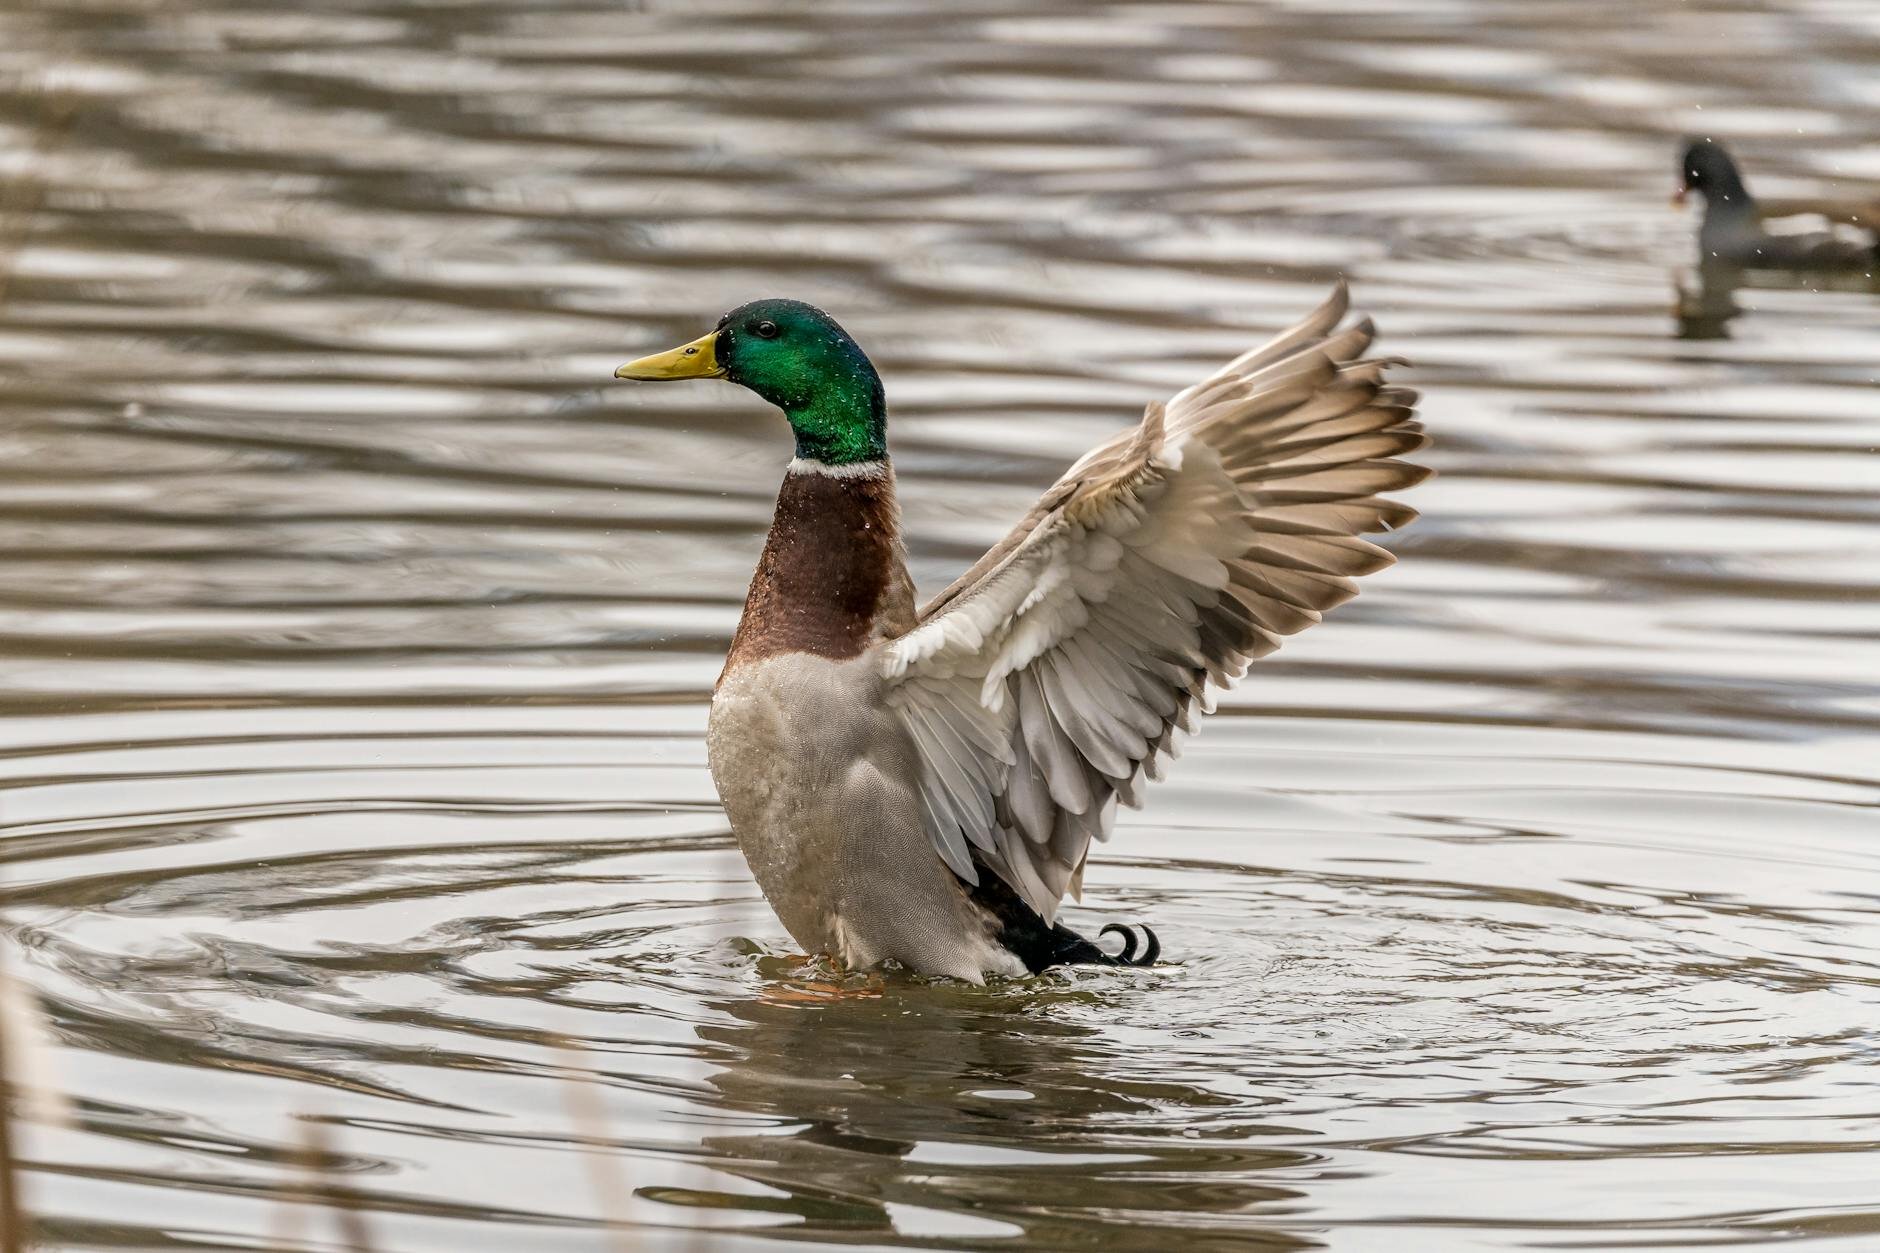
point(356, 630)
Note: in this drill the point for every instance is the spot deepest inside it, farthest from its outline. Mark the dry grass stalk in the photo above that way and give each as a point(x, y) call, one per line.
point(12, 1210)
point(318, 1190)
point(605, 1177)
point(21, 1085)
point(27, 1093)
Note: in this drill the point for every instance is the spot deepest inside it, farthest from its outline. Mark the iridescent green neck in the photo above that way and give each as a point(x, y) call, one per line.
point(844, 418)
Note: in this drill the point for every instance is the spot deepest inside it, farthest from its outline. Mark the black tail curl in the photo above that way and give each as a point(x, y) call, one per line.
point(1151, 944)
point(1042, 945)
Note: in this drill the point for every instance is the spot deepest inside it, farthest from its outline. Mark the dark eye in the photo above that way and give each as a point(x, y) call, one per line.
point(765, 330)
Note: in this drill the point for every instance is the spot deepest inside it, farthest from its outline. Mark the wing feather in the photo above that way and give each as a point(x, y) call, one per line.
point(1048, 682)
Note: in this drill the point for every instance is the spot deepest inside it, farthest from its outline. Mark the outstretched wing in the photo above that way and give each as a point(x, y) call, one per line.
point(1048, 680)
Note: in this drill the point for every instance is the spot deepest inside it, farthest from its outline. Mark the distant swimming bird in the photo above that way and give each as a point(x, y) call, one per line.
point(1733, 230)
point(923, 788)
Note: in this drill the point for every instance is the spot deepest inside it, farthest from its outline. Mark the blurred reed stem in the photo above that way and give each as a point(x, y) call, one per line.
point(19, 205)
point(12, 1213)
point(588, 1112)
point(348, 1220)
point(316, 1190)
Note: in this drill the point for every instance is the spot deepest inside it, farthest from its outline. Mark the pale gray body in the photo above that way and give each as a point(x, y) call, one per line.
point(819, 779)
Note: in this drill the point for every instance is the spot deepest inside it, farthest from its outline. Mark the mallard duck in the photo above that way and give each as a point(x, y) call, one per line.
point(1734, 226)
point(921, 786)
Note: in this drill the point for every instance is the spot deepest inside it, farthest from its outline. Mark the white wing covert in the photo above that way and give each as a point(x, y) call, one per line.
point(1048, 681)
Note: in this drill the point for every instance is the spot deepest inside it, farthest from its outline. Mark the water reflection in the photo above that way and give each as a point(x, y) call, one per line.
point(1705, 307)
point(926, 1110)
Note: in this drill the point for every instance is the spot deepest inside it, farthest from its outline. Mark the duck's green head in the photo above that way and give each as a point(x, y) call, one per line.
point(796, 357)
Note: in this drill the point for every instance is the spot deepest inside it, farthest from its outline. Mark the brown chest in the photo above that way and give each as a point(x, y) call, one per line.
point(832, 579)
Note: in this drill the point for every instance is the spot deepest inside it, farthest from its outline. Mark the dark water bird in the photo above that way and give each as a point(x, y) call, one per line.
point(923, 786)
point(1735, 230)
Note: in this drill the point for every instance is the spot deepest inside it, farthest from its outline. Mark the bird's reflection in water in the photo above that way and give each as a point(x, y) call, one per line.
point(1706, 308)
point(939, 1111)
point(1707, 299)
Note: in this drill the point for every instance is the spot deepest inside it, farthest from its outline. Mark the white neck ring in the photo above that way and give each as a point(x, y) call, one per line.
point(847, 470)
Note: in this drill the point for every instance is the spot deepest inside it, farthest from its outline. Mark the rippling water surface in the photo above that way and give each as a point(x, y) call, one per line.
point(356, 631)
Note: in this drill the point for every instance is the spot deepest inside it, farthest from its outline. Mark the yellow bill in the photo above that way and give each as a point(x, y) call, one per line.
point(696, 360)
